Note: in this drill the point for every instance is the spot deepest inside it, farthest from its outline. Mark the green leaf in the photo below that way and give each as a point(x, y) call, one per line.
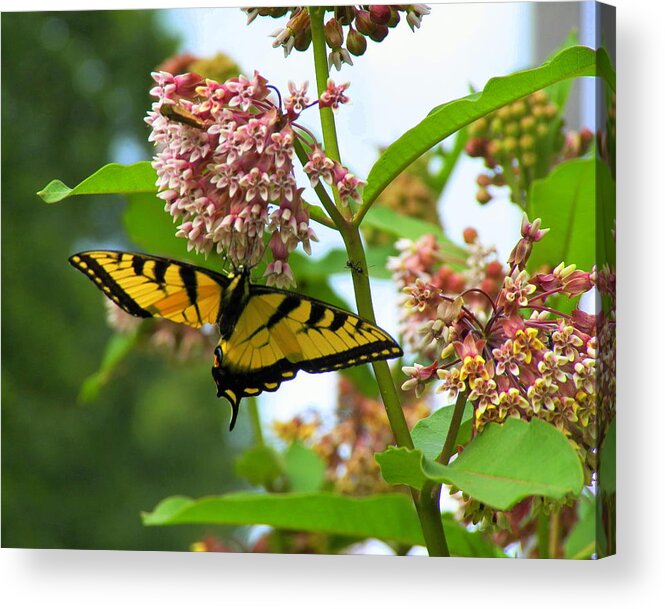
point(506, 463)
point(395, 224)
point(501, 466)
point(110, 179)
point(117, 349)
point(389, 516)
point(448, 118)
point(607, 470)
point(565, 201)
point(581, 542)
point(402, 466)
point(405, 227)
point(304, 468)
point(430, 433)
point(259, 465)
point(559, 91)
point(606, 69)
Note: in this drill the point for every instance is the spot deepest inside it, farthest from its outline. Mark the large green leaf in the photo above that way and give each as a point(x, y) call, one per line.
point(429, 434)
point(110, 179)
point(501, 466)
point(125, 179)
point(565, 200)
point(448, 118)
point(390, 517)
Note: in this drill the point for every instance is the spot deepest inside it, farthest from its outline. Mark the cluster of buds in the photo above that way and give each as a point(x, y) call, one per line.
point(346, 31)
point(225, 169)
point(520, 524)
point(524, 359)
point(348, 449)
point(162, 336)
point(520, 142)
point(424, 274)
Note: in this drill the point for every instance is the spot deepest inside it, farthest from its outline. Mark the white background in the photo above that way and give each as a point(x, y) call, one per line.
point(30, 578)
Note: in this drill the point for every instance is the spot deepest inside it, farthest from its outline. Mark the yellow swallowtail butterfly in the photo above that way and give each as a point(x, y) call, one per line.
point(266, 335)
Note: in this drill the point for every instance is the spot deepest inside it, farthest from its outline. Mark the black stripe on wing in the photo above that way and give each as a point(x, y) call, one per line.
point(105, 281)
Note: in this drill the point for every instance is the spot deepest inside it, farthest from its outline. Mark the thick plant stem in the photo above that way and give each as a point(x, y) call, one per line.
point(429, 514)
point(321, 69)
point(363, 294)
point(543, 536)
point(254, 417)
point(428, 509)
point(555, 527)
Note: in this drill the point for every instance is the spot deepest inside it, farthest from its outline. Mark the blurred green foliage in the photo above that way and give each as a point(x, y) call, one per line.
point(74, 89)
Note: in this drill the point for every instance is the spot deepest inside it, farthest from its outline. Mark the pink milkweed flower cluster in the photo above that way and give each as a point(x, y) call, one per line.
point(509, 353)
point(225, 171)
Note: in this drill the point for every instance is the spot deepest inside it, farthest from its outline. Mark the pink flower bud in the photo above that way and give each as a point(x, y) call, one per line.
point(364, 23)
point(379, 33)
point(380, 13)
point(333, 34)
point(356, 43)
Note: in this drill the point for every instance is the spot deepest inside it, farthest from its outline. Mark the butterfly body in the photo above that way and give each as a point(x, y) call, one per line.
point(267, 335)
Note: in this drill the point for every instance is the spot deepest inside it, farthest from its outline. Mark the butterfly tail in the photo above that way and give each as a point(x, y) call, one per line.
point(234, 416)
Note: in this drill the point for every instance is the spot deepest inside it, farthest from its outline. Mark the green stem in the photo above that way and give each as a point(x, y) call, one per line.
point(543, 534)
point(430, 495)
point(255, 419)
point(363, 295)
point(428, 512)
point(453, 430)
point(321, 69)
point(555, 526)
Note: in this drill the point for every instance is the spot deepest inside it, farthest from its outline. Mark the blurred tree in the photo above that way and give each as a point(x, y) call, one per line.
point(74, 93)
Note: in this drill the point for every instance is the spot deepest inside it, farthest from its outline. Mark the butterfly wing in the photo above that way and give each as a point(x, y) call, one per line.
point(280, 333)
point(149, 286)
